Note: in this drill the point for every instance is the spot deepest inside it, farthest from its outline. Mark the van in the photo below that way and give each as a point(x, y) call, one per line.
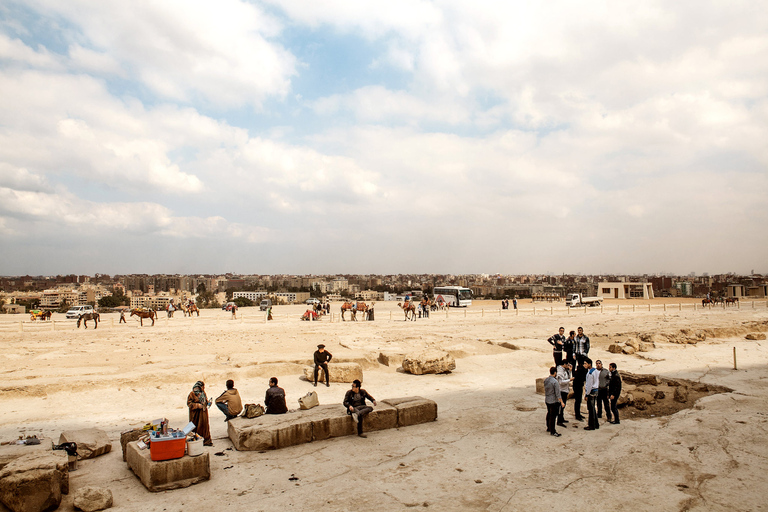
point(265, 304)
point(76, 311)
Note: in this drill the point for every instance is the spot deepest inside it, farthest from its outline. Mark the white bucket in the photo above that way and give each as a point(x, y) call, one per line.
point(195, 448)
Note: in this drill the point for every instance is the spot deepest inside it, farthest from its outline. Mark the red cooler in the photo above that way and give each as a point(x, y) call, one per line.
point(167, 447)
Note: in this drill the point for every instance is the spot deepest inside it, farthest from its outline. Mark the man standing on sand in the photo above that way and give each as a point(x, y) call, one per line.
point(234, 311)
point(581, 347)
point(553, 401)
point(557, 341)
point(602, 390)
point(275, 398)
point(614, 390)
point(122, 317)
point(579, 377)
point(568, 347)
point(322, 357)
point(229, 402)
point(564, 379)
point(514, 302)
point(590, 393)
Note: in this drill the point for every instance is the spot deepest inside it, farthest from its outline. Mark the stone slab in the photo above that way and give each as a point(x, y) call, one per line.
point(270, 432)
point(35, 482)
point(167, 474)
point(337, 372)
point(128, 436)
point(12, 452)
point(91, 442)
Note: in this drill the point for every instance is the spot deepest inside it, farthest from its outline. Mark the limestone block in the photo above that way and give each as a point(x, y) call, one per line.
point(755, 336)
point(540, 386)
point(633, 342)
point(14, 451)
point(391, 359)
point(337, 372)
point(628, 350)
point(646, 346)
point(128, 436)
point(91, 499)
point(412, 410)
point(91, 442)
point(429, 361)
point(35, 482)
point(625, 399)
point(615, 348)
point(382, 417)
point(165, 475)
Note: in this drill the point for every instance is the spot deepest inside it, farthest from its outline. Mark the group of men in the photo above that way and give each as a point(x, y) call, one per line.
point(505, 303)
point(600, 387)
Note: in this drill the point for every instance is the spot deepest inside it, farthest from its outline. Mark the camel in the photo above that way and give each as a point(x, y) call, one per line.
point(192, 308)
point(348, 306)
point(88, 316)
point(408, 308)
point(142, 314)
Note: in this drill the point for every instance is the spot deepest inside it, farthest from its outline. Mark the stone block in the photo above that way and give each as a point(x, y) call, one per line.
point(615, 348)
point(390, 359)
point(413, 410)
point(12, 452)
point(646, 346)
point(35, 482)
point(429, 361)
point(755, 336)
point(92, 499)
point(382, 417)
point(681, 394)
point(628, 350)
point(337, 372)
point(128, 436)
point(91, 442)
point(165, 475)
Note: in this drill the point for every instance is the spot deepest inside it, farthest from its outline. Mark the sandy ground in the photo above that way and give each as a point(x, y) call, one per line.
point(488, 449)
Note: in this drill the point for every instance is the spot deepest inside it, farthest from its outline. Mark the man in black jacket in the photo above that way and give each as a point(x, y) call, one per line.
point(354, 403)
point(614, 390)
point(322, 358)
point(274, 400)
point(579, 377)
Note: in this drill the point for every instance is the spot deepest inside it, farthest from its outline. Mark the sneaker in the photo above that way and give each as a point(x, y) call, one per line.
point(327, 384)
point(354, 417)
point(556, 434)
point(589, 428)
point(315, 384)
point(560, 424)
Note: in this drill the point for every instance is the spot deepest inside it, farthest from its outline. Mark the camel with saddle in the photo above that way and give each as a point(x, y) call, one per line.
point(88, 316)
point(409, 308)
point(353, 308)
point(144, 313)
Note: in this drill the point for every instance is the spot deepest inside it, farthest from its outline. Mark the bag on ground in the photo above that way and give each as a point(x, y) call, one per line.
point(309, 401)
point(253, 410)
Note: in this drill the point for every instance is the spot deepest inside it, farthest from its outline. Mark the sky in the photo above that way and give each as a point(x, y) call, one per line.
point(264, 137)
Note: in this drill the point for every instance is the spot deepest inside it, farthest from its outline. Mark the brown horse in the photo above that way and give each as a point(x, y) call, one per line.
point(142, 314)
point(88, 316)
point(409, 308)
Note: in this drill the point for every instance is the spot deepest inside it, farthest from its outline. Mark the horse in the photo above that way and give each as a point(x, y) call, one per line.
point(88, 316)
point(705, 302)
point(731, 300)
point(142, 314)
point(408, 307)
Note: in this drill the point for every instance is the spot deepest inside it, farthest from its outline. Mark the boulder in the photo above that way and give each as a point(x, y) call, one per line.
point(165, 475)
point(659, 395)
point(128, 436)
point(413, 410)
point(645, 346)
point(634, 343)
point(91, 499)
point(628, 350)
point(91, 442)
point(391, 359)
point(14, 451)
point(615, 348)
point(625, 399)
point(35, 482)
point(638, 379)
point(681, 394)
point(429, 361)
point(337, 372)
point(755, 336)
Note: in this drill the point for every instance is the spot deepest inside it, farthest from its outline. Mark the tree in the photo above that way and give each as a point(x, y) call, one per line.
point(243, 302)
point(63, 307)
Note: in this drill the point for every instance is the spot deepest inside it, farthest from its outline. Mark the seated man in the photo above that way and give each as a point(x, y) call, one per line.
point(354, 402)
point(229, 401)
point(322, 357)
point(275, 398)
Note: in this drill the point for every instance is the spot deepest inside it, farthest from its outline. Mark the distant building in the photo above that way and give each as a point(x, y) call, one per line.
point(735, 290)
point(623, 290)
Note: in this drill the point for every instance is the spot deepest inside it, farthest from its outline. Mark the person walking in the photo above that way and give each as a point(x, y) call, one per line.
point(354, 403)
point(557, 341)
point(614, 390)
point(322, 357)
point(553, 400)
point(564, 378)
point(122, 317)
point(590, 393)
point(602, 390)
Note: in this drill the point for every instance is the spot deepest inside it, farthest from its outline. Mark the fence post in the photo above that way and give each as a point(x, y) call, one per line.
point(534, 310)
point(694, 306)
point(617, 308)
point(753, 304)
point(465, 313)
point(633, 308)
point(665, 306)
point(517, 312)
point(649, 307)
point(21, 326)
point(680, 308)
point(482, 313)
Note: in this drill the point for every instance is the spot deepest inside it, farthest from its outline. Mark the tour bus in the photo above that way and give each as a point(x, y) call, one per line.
point(455, 296)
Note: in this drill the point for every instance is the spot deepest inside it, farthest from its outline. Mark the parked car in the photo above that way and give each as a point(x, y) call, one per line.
point(76, 311)
point(265, 304)
point(228, 306)
point(312, 300)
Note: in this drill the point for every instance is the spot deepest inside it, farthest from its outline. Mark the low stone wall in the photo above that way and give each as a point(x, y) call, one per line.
point(270, 432)
point(167, 474)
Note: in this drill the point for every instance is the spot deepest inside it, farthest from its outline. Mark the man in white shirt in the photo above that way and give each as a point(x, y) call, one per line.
point(590, 393)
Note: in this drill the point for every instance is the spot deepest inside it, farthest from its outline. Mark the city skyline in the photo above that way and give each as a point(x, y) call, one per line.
point(406, 137)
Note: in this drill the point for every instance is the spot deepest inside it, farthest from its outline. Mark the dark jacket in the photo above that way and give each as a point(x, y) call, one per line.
point(356, 399)
point(614, 384)
point(568, 347)
point(275, 400)
point(557, 341)
point(322, 357)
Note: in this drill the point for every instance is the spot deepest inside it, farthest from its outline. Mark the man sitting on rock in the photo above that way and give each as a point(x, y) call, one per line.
point(275, 398)
point(354, 402)
point(322, 358)
point(229, 401)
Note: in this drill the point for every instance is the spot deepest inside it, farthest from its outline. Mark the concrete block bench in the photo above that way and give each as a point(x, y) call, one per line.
point(270, 432)
point(167, 474)
point(337, 372)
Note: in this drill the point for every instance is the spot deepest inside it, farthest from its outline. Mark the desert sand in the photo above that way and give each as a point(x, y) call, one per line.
point(488, 450)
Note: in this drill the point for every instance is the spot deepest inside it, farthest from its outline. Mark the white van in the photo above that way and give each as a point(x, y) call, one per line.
point(265, 304)
point(76, 311)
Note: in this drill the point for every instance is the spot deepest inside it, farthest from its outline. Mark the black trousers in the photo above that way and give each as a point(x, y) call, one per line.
point(592, 421)
point(564, 398)
point(324, 366)
point(558, 355)
point(615, 409)
point(578, 392)
point(552, 410)
point(362, 412)
point(602, 399)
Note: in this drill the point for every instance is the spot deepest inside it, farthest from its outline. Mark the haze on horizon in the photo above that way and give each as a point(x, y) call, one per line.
point(300, 137)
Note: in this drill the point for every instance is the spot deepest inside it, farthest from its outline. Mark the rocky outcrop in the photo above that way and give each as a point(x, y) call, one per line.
point(429, 361)
point(337, 372)
point(91, 499)
point(35, 482)
point(12, 452)
point(755, 336)
point(391, 359)
point(91, 442)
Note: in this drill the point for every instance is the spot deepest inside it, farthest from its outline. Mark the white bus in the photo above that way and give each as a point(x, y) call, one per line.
point(455, 296)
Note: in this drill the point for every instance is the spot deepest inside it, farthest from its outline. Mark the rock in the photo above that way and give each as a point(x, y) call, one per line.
point(35, 482)
point(628, 350)
point(659, 395)
point(413, 410)
point(645, 346)
point(681, 394)
point(540, 386)
point(509, 345)
point(337, 372)
point(615, 348)
point(91, 442)
point(128, 436)
point(633, 342)
point(91, 499)
point(14, 451)
point(167, 474)
point(755, 336)
point(429, 361)
point(639, 379)
point(625, 399)
point(390, 359)
point(640, 404)
point(650, 337)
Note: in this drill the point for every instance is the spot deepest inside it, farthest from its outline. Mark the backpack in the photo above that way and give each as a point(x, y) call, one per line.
point(251, 411)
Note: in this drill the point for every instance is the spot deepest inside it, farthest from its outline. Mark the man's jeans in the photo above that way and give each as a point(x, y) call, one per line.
point(225, 409)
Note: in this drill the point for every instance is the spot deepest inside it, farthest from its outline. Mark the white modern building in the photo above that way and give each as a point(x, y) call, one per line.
point(608, 290)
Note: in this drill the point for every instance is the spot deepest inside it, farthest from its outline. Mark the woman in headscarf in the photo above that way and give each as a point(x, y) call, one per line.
point(198, 404)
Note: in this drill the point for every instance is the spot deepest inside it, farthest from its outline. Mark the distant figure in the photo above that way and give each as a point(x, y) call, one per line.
point(322, 357)
point(579, 376)
point(568, 346)
point(171, 309)
point(198, 404)
point(564, 378)
point(229, 402)
point(354, 402)
point(514, 303)
point(269, 313)
point(275, 398)
point(553, 401)
point(614, 390)
point(234, 311)
point(122, 317)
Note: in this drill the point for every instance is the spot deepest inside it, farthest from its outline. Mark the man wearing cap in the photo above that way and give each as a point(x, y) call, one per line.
point(322, 358)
